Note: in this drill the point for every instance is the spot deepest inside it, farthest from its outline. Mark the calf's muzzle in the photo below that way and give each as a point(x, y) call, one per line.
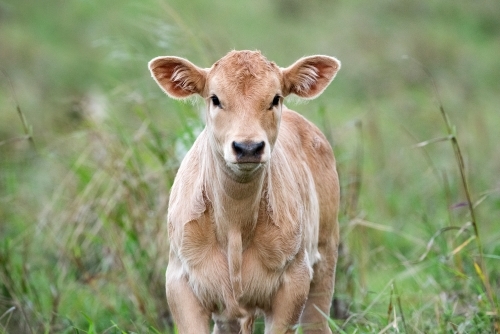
point(248, 151)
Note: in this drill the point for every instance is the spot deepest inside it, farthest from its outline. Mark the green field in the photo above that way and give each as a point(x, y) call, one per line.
point(89, 147)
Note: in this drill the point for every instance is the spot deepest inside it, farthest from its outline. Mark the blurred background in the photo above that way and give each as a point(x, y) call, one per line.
point(89, 147)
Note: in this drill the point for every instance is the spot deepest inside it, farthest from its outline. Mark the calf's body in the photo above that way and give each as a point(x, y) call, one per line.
point(253, 210)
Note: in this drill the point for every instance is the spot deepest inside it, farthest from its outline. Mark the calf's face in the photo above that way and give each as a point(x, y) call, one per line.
point(244, 94)
point(244, 110)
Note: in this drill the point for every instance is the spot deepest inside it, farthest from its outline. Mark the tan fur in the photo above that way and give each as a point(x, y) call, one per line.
point(254, 236)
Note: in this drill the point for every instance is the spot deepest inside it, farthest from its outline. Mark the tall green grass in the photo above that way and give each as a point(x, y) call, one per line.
point(461, 295)
point(89, 148)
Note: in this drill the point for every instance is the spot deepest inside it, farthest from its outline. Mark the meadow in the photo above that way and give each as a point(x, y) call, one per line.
point(89, 147)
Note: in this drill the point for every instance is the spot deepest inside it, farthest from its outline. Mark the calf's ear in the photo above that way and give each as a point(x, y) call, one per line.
point(178, 77)
point(309, 76)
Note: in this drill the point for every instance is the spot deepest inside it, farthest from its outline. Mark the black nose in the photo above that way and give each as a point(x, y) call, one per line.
point(248, 151)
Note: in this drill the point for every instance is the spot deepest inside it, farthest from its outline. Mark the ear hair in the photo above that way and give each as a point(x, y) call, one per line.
point(178, 77)
point(308, 77)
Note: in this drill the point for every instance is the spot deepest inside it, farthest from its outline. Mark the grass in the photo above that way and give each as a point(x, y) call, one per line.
point(89, 147)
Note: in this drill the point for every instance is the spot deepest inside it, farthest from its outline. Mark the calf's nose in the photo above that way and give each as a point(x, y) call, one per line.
point(248, 151)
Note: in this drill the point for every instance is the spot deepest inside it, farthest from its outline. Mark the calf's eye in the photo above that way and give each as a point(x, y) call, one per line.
point(276, 101)
point(215, 101)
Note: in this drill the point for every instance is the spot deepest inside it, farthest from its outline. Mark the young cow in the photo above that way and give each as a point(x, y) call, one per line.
point(253, 210)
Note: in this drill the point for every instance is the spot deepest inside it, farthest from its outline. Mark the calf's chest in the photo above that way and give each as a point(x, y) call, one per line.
point(267, 250)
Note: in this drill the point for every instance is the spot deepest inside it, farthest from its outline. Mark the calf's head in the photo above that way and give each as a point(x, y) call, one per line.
point(244, 94)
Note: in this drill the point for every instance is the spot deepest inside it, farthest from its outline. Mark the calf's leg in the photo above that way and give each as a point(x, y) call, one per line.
point(313, 319)
point(289, 301)
point(187, 312)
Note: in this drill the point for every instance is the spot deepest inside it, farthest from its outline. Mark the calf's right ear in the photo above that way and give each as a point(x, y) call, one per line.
point(178, 77)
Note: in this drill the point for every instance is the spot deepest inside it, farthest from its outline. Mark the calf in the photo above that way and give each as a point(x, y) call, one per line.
point(253, 210)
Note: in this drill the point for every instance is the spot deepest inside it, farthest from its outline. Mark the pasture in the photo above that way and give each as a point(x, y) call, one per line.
point(89, 147)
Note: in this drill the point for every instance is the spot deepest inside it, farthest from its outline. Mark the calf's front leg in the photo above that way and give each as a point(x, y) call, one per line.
point(314, 317)
point(289, 301)
point(187, 312)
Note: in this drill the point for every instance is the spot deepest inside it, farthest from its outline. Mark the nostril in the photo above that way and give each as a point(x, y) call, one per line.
point(259, 148)
point(238, 148)
point(248, 151)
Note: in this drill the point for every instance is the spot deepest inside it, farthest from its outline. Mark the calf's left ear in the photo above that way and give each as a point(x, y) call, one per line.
point(178, 77)
point(309, 76)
